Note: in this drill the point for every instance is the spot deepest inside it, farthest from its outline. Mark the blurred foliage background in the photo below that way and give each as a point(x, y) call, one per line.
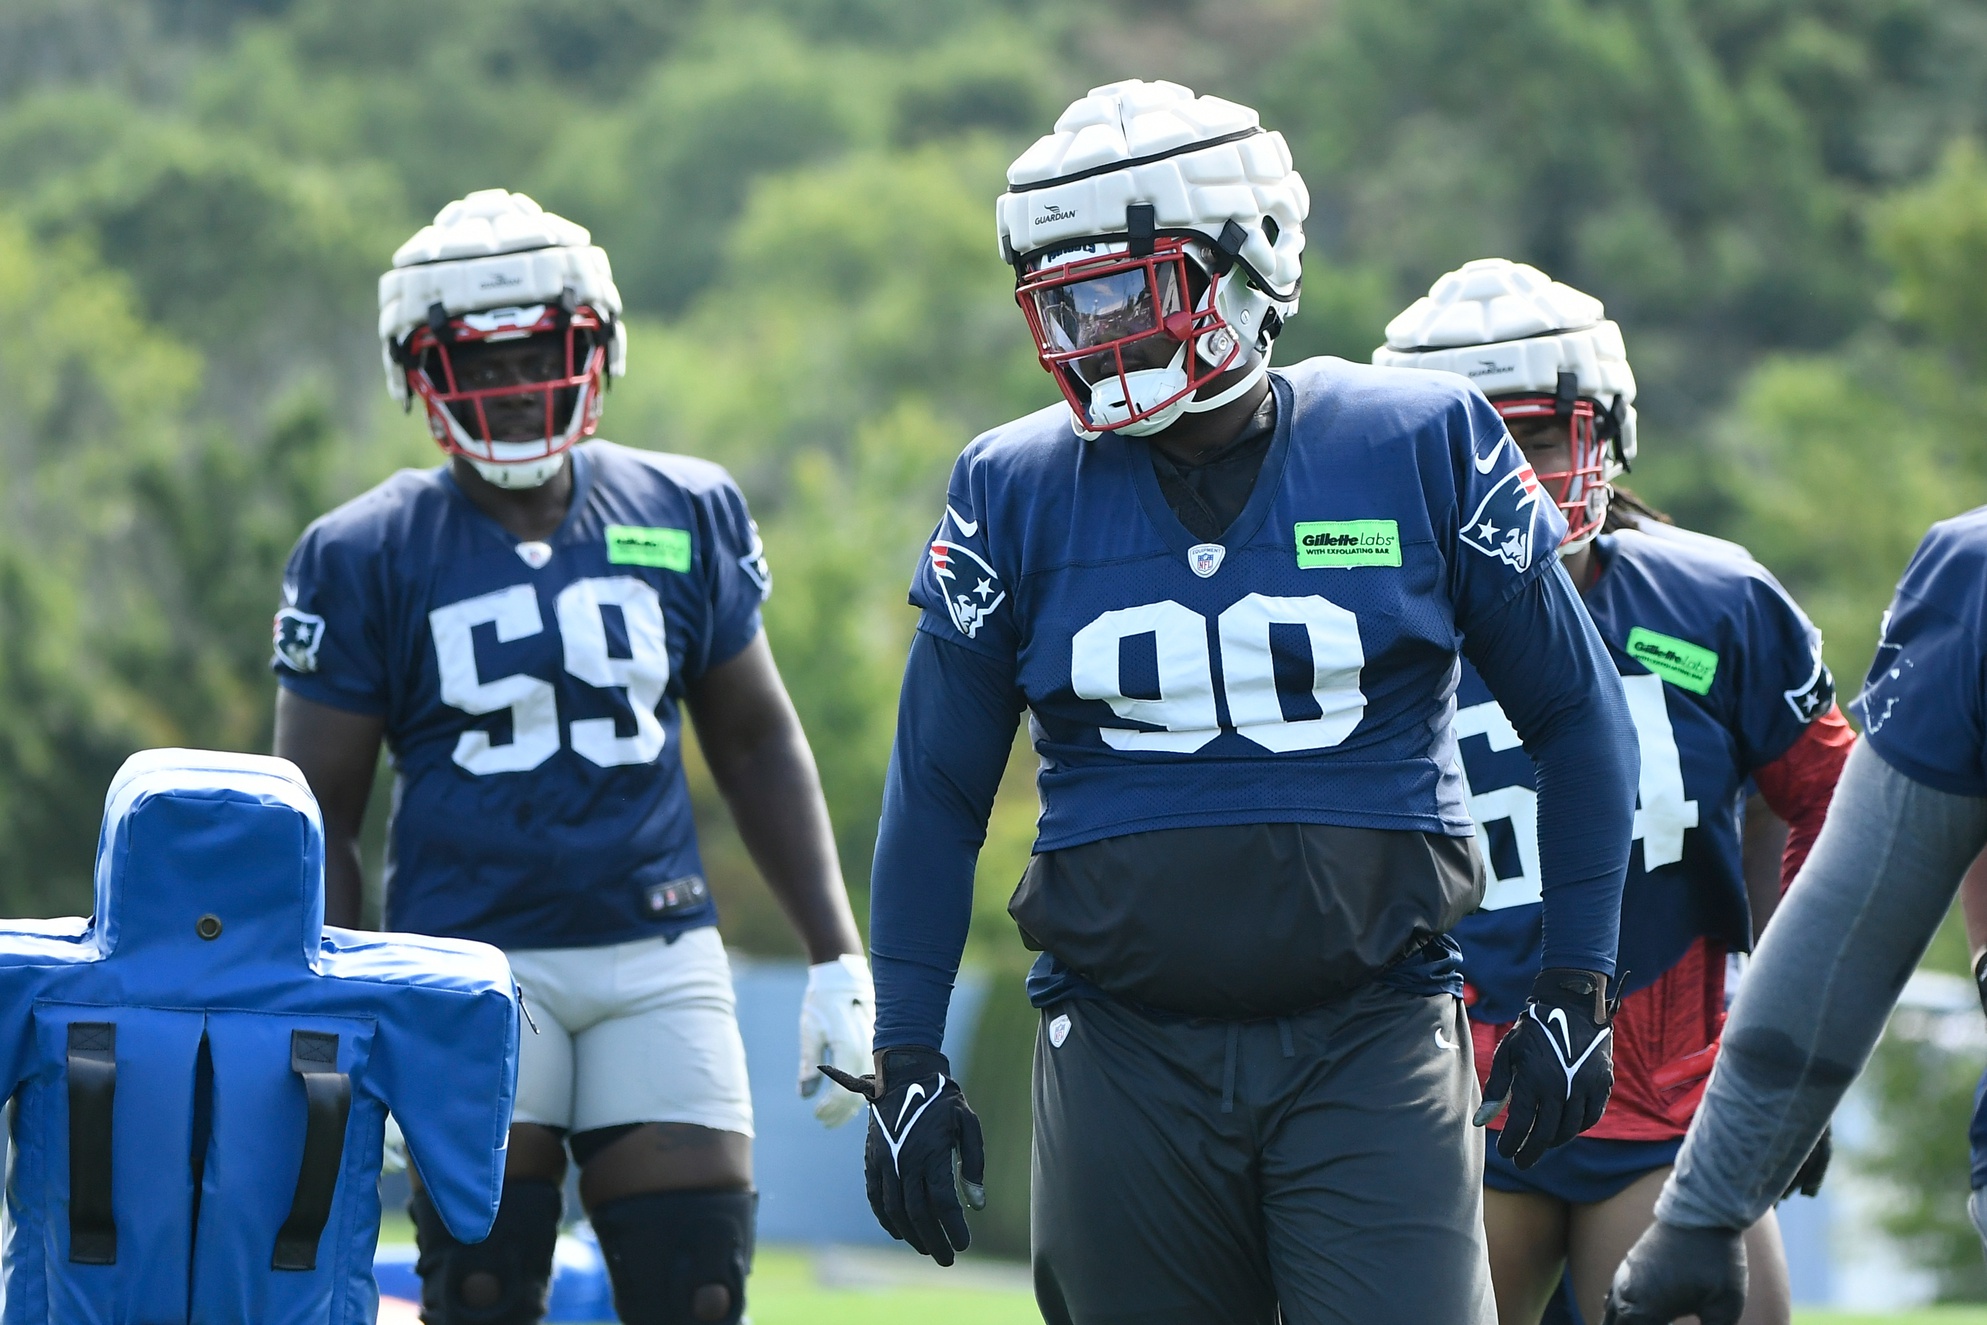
point(1783, 201)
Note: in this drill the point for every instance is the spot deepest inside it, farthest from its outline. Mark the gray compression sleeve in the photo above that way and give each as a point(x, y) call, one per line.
point(1849, 933)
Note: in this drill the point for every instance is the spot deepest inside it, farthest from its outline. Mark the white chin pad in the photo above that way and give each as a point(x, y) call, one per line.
point(520, 473)
point(1117, 398)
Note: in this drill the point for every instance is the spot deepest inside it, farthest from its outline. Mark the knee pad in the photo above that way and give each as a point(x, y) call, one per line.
point(670, 1253)
point(502, 1280)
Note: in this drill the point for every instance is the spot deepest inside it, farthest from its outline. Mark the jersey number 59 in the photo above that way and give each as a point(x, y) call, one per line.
point(533, 706)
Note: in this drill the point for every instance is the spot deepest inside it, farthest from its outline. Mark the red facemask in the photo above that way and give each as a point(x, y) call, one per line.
point(1580, 490)
point(1099, 319)
point(566, 398)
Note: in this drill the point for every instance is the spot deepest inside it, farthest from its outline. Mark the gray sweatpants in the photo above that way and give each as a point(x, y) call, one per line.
point(1201, 1172)
point(1830, 968)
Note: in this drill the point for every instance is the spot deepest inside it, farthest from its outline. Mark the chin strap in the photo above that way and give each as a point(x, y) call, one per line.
point(1195, 405)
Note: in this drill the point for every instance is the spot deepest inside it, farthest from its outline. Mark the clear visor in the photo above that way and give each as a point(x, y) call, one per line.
point(1109, 309)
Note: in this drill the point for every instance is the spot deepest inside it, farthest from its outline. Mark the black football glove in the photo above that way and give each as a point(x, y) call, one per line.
point(1672, 1272)
point(1555, 1068)
point(924, 1145)
point(1807, 1179)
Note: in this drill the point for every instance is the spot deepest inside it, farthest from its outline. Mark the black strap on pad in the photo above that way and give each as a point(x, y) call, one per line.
point(1567, 395)
point(1229, 244)
point(328, 1093)
point(1141, 226)
point(92, 1086)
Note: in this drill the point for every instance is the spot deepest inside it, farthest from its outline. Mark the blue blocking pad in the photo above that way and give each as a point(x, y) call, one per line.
point(202, 1071)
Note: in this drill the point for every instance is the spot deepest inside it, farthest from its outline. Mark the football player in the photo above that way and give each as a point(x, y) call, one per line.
point(1726, 686)
point(524, 626)
point(1232, 601)
point(1908, 818)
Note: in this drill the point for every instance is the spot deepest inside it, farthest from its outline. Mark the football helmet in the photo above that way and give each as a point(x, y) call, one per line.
point(496, 268)
point(1538, 349)
point(1156, 238)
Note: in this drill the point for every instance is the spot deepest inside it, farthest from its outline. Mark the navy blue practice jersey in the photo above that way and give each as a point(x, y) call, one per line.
point(531, 691)
point(1723, 673)
point(1301, 669)
point(1922, 706)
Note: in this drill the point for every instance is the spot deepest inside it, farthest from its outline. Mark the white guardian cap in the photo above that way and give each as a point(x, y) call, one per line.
point(493, 268)
point(1538, 349)
point(1156, 238)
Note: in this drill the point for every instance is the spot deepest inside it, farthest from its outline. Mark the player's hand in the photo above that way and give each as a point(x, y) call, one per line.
point(1807, 1180)
point(1555, 1068)
point(924, 1145)
point(837, 1019)
point(1672, 1272)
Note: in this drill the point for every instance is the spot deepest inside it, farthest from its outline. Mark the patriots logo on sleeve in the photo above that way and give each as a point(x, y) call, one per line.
point(972, 588)
point(1502, 525)
point(1812, 698)
point(298, 634)
point(753, 563)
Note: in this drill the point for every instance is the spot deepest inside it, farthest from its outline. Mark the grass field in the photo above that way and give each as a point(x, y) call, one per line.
point(797, 1286)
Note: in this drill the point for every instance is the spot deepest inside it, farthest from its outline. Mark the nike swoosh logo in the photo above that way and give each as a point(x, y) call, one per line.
point(1484, 463)
point(1559, 1015)
point(896, 1143)
point(1441, 1043)
point(911, 1096)
point(967, 528)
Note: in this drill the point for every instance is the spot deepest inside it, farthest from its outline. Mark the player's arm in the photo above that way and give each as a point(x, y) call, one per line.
point(955, 724)
point(338, 752)
point(1973, 911)
point(1798, 786)
point(1547, 668)
point(956, 718)
point(1847, 934)
point(758, 755)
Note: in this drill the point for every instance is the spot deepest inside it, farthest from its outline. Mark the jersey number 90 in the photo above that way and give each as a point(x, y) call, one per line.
point(1246, 635)
point(534, 708)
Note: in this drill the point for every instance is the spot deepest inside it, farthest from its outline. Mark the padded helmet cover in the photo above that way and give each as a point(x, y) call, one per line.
point(1512, 330)
point(1200, 162)
point(494, 249)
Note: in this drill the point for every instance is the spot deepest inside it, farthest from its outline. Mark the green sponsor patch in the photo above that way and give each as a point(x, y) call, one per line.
point(1348, 543)
point(1681, 663)
point(639, 545)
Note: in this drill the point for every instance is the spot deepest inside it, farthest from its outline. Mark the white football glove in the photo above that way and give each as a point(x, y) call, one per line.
point(837, 1022)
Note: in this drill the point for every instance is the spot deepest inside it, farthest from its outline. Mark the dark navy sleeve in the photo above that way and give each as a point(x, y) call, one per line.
point(329, 640)
point(1502, 530)
point(963, 594)
point(1922, 703)
point(1547, 668)
point(1783, 683)
point(736, 567)
point(956, 719)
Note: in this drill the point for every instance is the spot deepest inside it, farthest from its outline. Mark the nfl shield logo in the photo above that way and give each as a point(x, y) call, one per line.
point(1205, 558)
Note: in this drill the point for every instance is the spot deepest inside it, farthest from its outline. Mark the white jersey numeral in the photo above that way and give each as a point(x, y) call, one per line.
point(1660, 819)
point(1185, 707)
point(532, 702)
point(1664, 814)
point(534, 710)
point(583, 631)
